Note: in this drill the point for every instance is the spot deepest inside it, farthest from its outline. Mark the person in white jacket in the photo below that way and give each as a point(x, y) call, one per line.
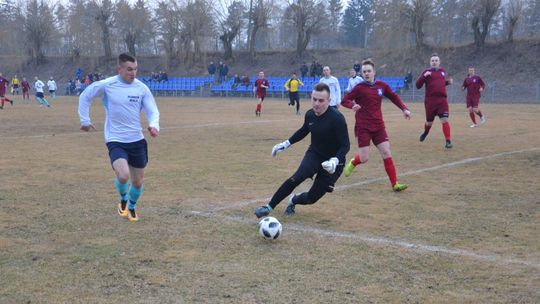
point(335, 90)
point(124, 97)
point(51, 84)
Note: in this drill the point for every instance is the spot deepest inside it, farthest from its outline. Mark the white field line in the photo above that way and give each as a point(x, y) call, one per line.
point(421, 248)
point(239, 204)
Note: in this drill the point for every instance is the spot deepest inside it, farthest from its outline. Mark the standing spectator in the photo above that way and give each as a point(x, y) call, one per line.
point(335, 90)
point(25, 88)
point(15, 85)
point(245, 80)
point(435, 101)
point(51, 84)
point(313, 69)
point(354, 79)
point(40, 97)
point(236, 82)
point(303, 70)
point(259, 89)
point(224, 72)
point(78, 86)
point(3, 88)
point(79, 74)
point(475, 86)
point(69, 87)
point(90, 77)
point(292, 87)
point(408, 80)
point(319, 70)
point(220, 72)
point(357, 68)
point(211, 69)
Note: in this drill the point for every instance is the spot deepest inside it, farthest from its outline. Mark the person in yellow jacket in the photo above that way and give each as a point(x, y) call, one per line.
point(15, 85)
point(292, 87)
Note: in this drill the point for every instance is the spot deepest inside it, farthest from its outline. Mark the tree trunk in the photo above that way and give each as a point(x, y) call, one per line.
point(129, 39)
point(227, 39)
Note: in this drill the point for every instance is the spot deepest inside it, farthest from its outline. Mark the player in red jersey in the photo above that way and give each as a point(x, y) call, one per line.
point(435, 102)
point(3, 87)
point(259, 89)
point(474, 85)
point(25, 88)
point(366, 100)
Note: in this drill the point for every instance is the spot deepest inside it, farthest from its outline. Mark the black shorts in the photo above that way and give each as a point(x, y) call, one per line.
point(40, 95)
point(294, 96)
point(136, 153)
point(311, 165)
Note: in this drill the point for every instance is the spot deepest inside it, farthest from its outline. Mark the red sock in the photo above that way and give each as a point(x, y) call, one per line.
point(356, 160)
point(426, 128)
point(479, 113)
point(3, 102)
point(471, 114)
point(390, 170)
point(258, 107)
point(446, 130)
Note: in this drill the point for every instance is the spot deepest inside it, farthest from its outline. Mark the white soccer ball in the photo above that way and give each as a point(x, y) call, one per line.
point(270, 228)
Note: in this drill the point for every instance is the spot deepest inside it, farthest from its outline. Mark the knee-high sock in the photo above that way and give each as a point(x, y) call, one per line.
point(471, 114)
point(134, 195)
point(390, 170)
point(297, 105)
point(259, 107)
point(122, 189)
point(479, 113)
point(446, 130)
point(46, 102)
point(356, 160)
point(3, 102)
point(427, 128)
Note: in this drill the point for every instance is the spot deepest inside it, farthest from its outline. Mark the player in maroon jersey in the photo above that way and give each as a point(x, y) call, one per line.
point(474, 85)
point(435, 102)
point(3, 87)
point(25, 85)
point(366, 100)
point(259, 89)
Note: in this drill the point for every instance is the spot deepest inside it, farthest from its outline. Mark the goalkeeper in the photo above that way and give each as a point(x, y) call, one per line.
point(324, 158)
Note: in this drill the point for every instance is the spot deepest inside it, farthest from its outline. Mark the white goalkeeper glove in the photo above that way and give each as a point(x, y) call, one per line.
point(330, 165)
point(280, 147)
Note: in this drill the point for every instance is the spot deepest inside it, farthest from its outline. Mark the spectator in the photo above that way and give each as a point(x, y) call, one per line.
point(236, 82)
point(357, 67)
point(303, 70)
point(220, 72)
point(245, 80)
point(211, 69)
point(91, 77)
point(313, 69)
point(163, 76)
point(224, 72)
point(319, 69)
point(408, 80)
point(78, 86)
point(69, 87)
point(79, 74)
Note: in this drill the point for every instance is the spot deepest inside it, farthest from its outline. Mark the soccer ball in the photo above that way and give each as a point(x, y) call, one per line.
point(270, 228)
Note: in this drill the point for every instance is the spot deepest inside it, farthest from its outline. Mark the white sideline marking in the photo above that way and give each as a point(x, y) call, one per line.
point(386, 242)
point(239, 204)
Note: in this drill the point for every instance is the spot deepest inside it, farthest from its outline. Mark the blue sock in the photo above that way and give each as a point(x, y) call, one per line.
point(122, 189)
point(134, 195)
point(46, 102)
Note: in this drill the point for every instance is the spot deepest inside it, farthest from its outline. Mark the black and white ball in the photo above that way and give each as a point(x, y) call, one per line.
point(270, 228)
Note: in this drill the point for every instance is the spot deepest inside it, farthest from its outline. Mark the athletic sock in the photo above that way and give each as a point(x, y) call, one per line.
point(356, 160)
point(46, 102)
point(390, 170)
point(259, 107)
point(3, 102)
point(446, 130)
point(122, 189)
point(479, 113)
point(134, 195)
point(471, 114)
point(427, 128)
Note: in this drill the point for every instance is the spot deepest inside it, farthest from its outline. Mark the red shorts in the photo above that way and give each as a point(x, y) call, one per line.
point(261, 95)
point(473, 101)
point(365, 136)
point(436, 107)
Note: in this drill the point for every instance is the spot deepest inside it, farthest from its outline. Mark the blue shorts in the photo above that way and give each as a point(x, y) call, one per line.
point(40, 95)
point(136, 153)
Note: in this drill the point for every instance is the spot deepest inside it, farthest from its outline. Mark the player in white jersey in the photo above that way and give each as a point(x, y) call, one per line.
point(335, 90)
point(123, 98)
point(51, 84)
point(353, 80)
point(40, 97)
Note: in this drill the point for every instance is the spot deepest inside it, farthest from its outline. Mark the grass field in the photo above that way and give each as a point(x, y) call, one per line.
point(466, 231)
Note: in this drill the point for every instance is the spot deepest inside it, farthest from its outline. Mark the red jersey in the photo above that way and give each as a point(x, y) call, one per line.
point(260, 91)
point(473, 85)
point(369, 97)
point(25, 85)
point(3, 85)
point(435, 83)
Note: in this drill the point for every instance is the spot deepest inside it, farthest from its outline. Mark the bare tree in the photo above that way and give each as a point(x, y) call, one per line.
point(514, 10)
point(230, 24)
point(167, 20)
point(196, 23)
point(418, 11)
point(307, 16)
point(38, 27)
point(483, 14)
point(133, 23)
point(103, 14)
point(259, 16)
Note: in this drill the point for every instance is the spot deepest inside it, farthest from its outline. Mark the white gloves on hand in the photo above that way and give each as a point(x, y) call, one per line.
point(330, 165)
point(280, 147)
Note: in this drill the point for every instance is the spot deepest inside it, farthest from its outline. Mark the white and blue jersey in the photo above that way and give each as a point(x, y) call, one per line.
point(353, 81)
point(123, 103)
point(335, 90)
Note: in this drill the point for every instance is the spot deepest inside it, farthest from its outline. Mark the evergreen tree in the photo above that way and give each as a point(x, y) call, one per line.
point(356, 22)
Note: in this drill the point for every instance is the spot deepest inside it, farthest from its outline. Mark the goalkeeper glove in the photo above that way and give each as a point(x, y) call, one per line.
point(330, 165)
point(280, 147)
